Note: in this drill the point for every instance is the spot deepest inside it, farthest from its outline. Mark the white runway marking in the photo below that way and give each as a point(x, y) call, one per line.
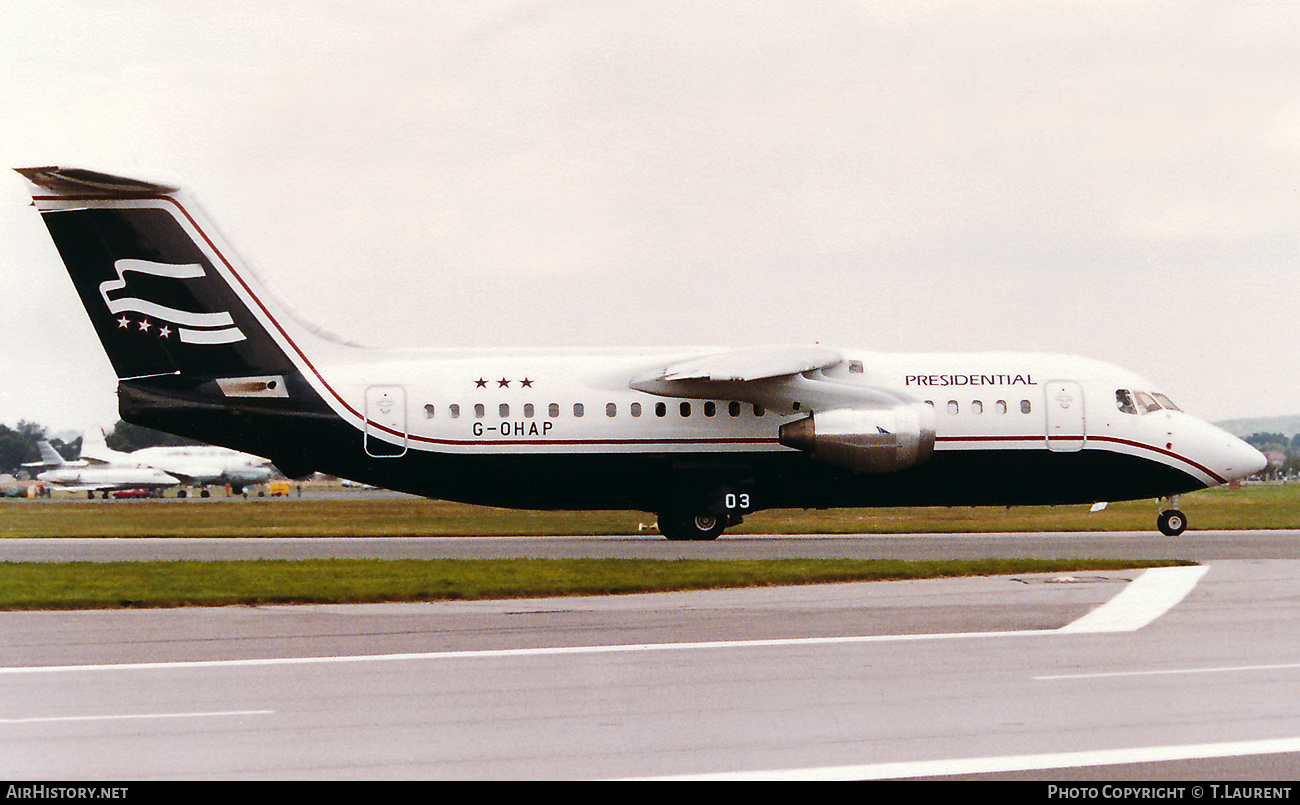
point(990, 765)
point(1146, 598)
point(1228, 669)
point(49, 719)
point(1151, 595)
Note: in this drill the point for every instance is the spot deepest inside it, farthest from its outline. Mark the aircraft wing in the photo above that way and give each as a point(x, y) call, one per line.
point(107, 486)
point(85, 487)
point(755, 363)
point(784, 379)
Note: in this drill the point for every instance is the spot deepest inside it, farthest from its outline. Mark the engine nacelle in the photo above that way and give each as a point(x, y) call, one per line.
point(866, 440)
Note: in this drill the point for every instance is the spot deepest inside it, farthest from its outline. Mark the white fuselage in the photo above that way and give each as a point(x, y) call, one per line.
point(204, 465)
point(580, 403)
point(83, 479)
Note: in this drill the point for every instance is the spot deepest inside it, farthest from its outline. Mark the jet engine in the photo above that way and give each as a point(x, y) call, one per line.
point(866, 440)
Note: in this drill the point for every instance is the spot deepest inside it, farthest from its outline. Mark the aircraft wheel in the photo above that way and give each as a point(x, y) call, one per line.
point(203, 493)
point(691, 526)
point(182, 493)
point(1171, 523)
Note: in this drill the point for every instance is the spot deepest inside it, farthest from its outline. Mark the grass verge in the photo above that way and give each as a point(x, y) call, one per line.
point(96, 585)
point(1264, 506)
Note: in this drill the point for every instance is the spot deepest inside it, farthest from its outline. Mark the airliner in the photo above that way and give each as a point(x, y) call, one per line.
point(699, 437)
point(197, 465)
point(91, 476)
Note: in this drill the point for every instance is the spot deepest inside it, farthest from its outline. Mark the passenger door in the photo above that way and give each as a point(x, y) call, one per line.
point(385, 420)
point(1066, 430)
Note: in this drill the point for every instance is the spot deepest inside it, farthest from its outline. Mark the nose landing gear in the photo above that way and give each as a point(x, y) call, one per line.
point(1171, 521)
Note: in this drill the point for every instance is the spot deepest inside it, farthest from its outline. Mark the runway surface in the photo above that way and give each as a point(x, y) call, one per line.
point(1122, 675)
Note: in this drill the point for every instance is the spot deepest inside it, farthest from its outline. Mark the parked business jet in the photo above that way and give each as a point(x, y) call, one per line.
point(92, 476)
point(50, 458)
point(197, 465)
point(698, 436)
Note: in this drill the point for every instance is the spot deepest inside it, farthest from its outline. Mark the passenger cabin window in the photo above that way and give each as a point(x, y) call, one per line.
point(479, 410)
point(710, 408)
point(611, 410)
point(976, 407)
point(686, 409)
point(661, 409)
point(733, 408)
point(553, 410)
point(428, 412)
point(578, 410)
point(1025, 407)
point(528, 410)
point(1001, 405)
point(454, 410)
point(635, 408)
point(504, 410)
point(952, 406)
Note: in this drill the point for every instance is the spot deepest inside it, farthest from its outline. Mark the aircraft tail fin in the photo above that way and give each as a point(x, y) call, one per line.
point(94, 448)
point(192, 331)
point(165, 293)
point(49, 455)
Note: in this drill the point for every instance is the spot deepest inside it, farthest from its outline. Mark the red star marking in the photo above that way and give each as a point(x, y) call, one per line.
point(480, 383)
point(526, 383)
point(503, 383)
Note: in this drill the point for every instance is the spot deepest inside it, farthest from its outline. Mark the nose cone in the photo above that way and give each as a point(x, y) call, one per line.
point(1238, 459)
point(1224, 456)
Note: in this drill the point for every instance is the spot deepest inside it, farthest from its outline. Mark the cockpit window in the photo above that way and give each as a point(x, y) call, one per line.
point(1124, 401)
point(1145, 402)
point(1140, 402)
point(1165, 402)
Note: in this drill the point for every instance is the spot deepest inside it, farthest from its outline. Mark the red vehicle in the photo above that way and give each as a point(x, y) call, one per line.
point(138, 493)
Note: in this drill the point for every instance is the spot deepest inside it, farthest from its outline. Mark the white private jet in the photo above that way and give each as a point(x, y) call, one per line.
point(94, 476)
point(50, 458)
point(699, 437)
point(197, 465)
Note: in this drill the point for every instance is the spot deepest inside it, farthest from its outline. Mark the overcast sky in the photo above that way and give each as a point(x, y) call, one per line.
point(1119, 180)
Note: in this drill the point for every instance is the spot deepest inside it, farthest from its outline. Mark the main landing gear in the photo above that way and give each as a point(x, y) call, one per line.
point(1171, 521)
point(681, 526)
point(702, 502)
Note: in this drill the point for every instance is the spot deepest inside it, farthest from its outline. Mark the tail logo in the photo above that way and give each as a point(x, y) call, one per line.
point(191, 328)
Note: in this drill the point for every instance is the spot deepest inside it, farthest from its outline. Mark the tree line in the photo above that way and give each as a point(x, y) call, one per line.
point(1289, 446)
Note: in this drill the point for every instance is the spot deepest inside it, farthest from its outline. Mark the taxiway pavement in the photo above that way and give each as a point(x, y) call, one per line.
point(981, 676)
